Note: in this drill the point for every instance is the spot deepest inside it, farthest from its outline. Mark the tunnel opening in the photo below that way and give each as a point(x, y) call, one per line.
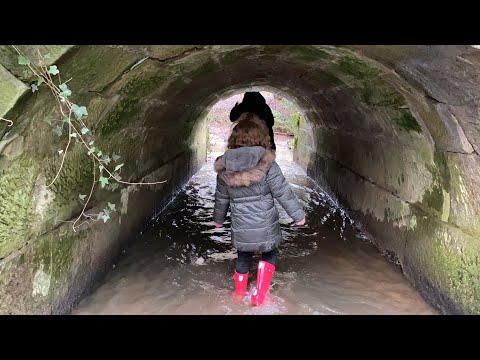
point(393, 135)
point(288, 117)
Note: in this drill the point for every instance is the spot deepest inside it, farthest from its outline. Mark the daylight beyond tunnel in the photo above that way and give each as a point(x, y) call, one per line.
point(391, 131)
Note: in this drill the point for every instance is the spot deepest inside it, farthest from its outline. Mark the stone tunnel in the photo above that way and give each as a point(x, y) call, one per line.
point(393, 132)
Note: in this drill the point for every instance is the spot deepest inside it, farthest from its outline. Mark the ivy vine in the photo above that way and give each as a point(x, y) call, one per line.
point(69, 122)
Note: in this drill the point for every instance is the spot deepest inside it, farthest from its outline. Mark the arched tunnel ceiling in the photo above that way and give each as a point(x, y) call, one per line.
point(316, 75)
point(396, 132)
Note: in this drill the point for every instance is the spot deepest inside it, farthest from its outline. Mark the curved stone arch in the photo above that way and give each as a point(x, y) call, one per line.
point(396, 139)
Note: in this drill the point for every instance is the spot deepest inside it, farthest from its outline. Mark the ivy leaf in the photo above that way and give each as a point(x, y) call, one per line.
point(82, 197)
point(111, 206)
point(66, 119)
point(103, 181)
point(79, 111)
point(34, 87)
point(101, 167)
point(39, 80)
point(22, 60)
point(47, 56)
point(105, 217)
point(53, 70)
point(118, 167)
point(58, 130)
point(100, 214)
point(90, 143)
point(91, 151)
point(73, 135)
point(99, 153)
point(106, 159)
point(63, 87)
point(84, 130)
point(115, 157)
point(49, 119)
point(106, 211)
point(66, 93)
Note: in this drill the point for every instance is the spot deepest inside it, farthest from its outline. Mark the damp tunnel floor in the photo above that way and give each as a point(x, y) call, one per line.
point(183, 265)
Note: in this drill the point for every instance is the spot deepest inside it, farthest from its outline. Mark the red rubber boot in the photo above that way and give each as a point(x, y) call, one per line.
point(241, 281)
point(264, 278)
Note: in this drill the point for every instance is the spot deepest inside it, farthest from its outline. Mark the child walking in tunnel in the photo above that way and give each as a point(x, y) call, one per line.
point(248, 181)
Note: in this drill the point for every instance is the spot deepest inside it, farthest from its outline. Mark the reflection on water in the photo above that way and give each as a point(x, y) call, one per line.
point(183, 265)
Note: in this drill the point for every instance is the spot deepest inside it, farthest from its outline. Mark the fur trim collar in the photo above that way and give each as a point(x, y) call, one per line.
point(246, 177)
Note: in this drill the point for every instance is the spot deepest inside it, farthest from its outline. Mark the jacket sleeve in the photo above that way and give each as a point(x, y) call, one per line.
point(222, 201)
point(282, 191)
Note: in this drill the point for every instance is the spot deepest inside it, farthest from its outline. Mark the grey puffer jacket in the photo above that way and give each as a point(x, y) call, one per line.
point(248, 180)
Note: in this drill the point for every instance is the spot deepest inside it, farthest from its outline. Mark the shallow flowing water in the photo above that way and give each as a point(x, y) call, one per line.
point(183, 265)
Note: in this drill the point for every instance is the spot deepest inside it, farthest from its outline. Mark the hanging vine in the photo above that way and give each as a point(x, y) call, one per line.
point(70, 123)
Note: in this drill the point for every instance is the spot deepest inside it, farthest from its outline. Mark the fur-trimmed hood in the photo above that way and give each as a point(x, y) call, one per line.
point(244, 166)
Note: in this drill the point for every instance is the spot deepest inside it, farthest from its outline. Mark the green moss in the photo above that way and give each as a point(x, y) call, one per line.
point(434, 197)
point(43, 252)
point(144, 82)
point(306, 53)
point(11, 90)
point(351, 65)
point(3, 129)
point(368, 83)
point(297, 117)
point(199, 63)
point(41, 151)
point(76, 176)
point(63, 255)
point(133, 89)
point(207, 67)
point(236, 55)
point(94, 67)
point(387, 54)
point(294, 142)
point(378, 92)
point(16, 185)
point(324, 79)
point(405, 120)
point(441, 161)
point(55, 252)
point(120, 117)
point(163, 52)
point(198, 69)
point(207, 135)
point(434, 251)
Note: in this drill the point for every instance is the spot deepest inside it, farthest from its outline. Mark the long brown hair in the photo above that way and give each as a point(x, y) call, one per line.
point(249, 131)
